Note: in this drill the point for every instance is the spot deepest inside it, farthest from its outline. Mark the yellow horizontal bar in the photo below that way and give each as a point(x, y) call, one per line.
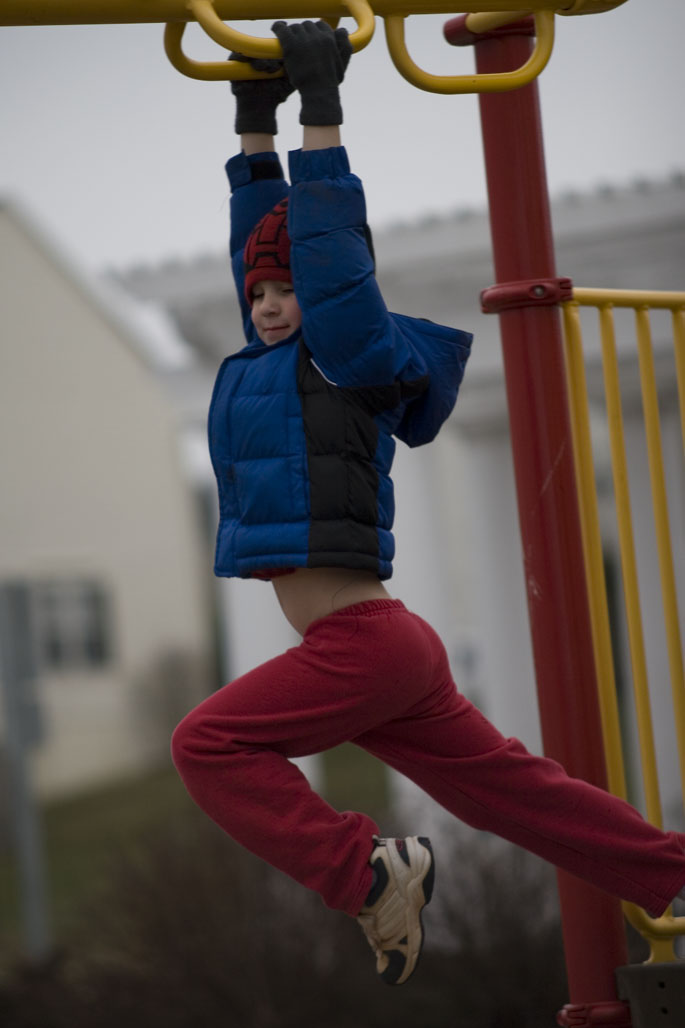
point(102, 12)
point(496, 82)
point(590, 6)
point(629, 298)
point(487, 21)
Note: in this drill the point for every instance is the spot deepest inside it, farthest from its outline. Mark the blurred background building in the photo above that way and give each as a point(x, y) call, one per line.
point(97, 520)
point(108, 511)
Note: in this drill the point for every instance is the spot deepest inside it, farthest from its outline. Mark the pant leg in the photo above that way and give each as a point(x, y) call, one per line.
point(353, 670)
point(447, 747)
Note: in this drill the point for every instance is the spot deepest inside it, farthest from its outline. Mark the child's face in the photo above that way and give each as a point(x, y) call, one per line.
point(276, 313)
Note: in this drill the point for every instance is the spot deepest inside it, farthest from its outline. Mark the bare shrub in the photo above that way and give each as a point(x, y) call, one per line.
point(192, 932)
point(497, 921)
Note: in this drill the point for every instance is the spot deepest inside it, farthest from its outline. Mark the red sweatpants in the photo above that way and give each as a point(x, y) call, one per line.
point(378, 675)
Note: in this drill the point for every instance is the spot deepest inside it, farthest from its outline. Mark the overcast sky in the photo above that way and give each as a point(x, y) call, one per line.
point(121, 157)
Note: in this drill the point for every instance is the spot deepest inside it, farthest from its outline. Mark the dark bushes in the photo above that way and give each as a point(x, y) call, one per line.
point(191, 932)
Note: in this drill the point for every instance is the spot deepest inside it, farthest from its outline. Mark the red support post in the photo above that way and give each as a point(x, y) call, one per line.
point(526, 298)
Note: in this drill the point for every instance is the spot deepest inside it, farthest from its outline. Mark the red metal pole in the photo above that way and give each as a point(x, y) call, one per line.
point(526, 297)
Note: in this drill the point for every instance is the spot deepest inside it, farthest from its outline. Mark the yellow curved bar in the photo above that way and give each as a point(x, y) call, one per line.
point(254, 46)
point(207, 71)
point(496, 82)
point(663, 927)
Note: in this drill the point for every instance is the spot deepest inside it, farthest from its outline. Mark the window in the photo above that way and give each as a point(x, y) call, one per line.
point(72, 625)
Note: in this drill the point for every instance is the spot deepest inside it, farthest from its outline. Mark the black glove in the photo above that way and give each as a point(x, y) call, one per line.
point(315, 59)
point(257, 99)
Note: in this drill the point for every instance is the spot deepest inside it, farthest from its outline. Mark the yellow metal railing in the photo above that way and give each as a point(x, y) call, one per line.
point(104, 12)
point(210, 14)
point(659, 932)
point(395, 37)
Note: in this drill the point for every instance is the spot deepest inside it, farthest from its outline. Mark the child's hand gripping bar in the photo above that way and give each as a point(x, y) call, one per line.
point(250, 46)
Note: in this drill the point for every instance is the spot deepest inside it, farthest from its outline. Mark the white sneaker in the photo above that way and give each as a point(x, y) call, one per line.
point(391, 916)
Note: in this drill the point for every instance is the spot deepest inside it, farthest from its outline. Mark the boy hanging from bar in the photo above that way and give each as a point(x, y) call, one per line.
point(301, 433)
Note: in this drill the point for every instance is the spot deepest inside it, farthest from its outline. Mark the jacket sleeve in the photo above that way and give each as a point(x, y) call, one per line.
point(345, 322)
point(353, 338)
point(257, 184)
point(444, 352)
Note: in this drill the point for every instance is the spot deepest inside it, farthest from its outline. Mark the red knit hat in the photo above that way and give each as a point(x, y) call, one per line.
point(267, 251)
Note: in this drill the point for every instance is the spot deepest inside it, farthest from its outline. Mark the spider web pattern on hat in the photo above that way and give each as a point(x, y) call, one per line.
point(267, 251)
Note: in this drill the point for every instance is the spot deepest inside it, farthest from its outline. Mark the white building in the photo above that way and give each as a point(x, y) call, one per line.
point(97, 520)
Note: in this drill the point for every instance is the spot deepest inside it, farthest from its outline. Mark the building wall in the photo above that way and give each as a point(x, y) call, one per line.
point(92, 492)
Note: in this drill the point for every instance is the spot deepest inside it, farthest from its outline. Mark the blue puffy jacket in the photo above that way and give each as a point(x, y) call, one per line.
point(301, 432)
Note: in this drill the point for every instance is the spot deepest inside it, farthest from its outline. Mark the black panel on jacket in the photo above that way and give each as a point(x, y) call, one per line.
point(341, 438)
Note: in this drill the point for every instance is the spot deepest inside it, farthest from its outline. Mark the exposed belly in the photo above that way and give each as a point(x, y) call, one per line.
point(312, 593)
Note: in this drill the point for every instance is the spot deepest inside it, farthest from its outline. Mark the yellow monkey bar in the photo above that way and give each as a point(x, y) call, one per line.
point(103, 12)
point(659, 932)
point(482, 15)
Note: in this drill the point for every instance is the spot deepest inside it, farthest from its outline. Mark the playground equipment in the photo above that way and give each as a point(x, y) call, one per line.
point(210, 14)
point(660, 933)
point(549, 432)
